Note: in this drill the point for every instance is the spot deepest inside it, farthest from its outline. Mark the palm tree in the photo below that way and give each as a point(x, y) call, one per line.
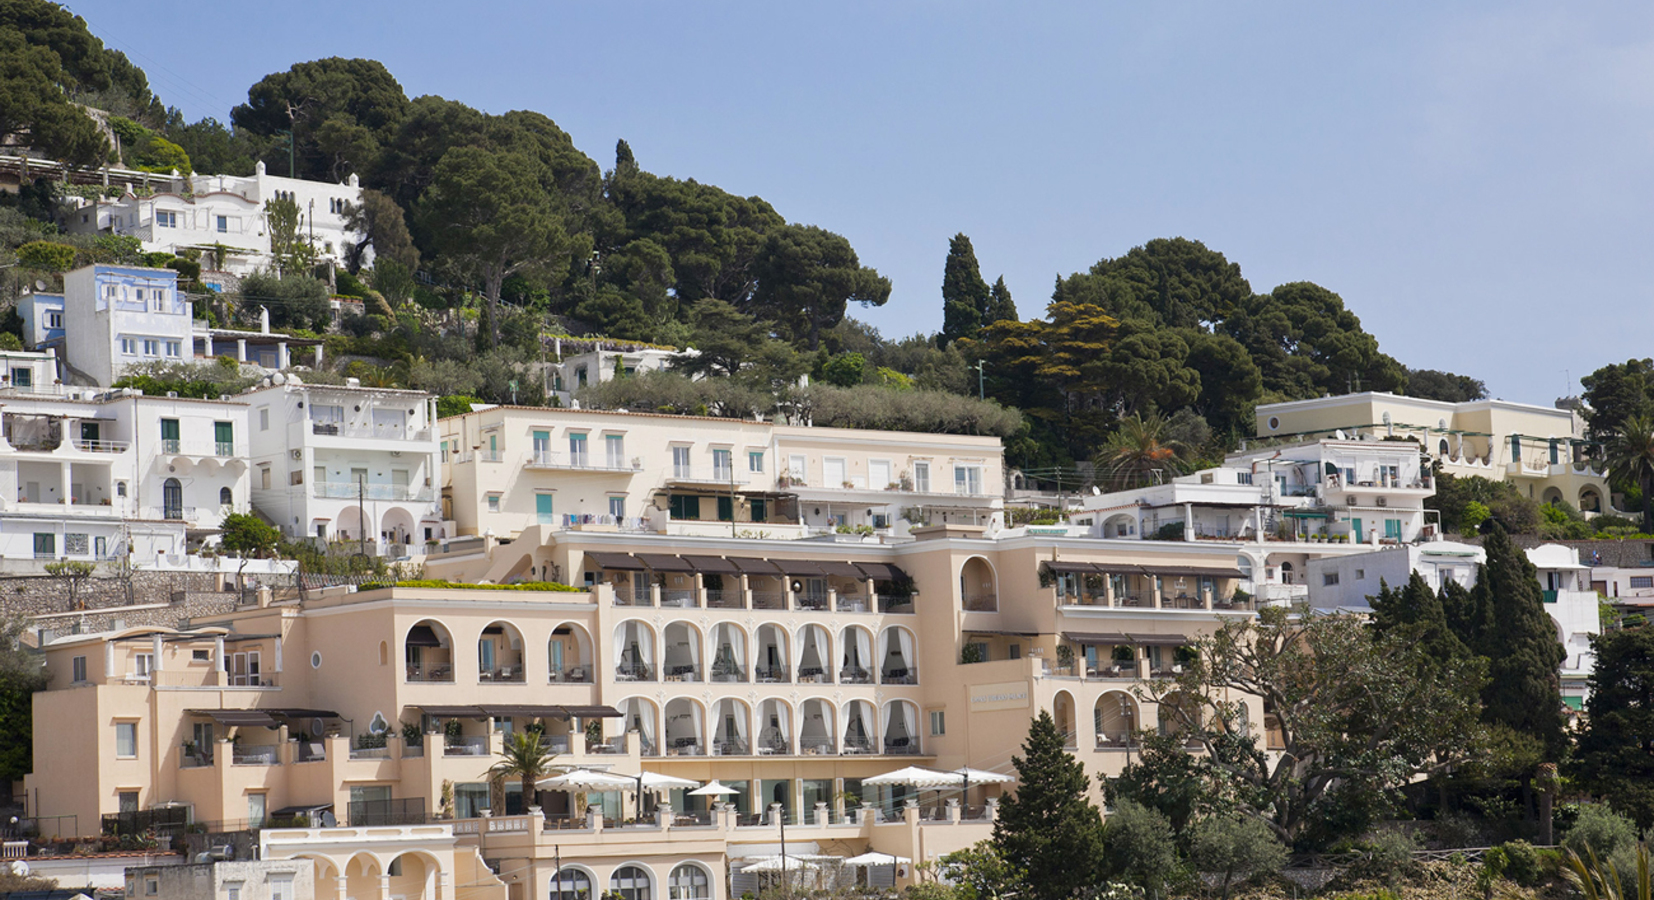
point(1598, 879)
point(1631, 459)
point(1138, 449)
point(527, 756)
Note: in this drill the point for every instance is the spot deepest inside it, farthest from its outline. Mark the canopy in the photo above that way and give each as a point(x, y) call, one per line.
point(841, 569)
point(655, 781)
point(587, 780)
point(712, 565)
point(750, 566)
point(881, 571)
point(779, 864)
point(917, 777)
point(874, 858)
point(619, 561)
point(1096, 639)
point(1159, 640)
point(422, 636)
point(982, 776)
point(713, 788)
point(800, 568)
point(662, 562)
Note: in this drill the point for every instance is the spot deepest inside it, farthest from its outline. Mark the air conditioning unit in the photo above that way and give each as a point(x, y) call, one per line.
point(1383, 501)
point(297, 454)
point(396, 453)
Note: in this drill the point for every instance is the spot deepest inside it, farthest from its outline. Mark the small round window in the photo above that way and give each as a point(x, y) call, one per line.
point(316, 659)
point(1274, 422)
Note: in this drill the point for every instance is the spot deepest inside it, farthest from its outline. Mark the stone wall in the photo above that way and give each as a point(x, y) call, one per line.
point(103, 602)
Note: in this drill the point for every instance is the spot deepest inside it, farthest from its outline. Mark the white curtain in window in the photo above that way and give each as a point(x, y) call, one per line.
point(620, 643)
point(812, 647)
point(864, 647)
point(697, 723)
point(786, 723)
point(645, 643)
point(906, 639)
point(741, 714)
point(641, 715)
point(695, 649)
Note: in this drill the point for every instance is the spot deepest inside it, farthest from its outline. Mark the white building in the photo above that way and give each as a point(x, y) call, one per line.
point(603, 361)
point(93, 476)
point(111, 318)
point(347, 463)
point(208, 212)
point(1350, 582)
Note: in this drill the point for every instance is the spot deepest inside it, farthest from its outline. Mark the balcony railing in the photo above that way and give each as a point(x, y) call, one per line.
point(981, 602)
point(811, 601)
point(1121, 741)
point(855, 675)
point(682, 672)
point(814, 675)
point(373, 752)
point(194, 757)
point(899, 676)
point(314, 751)
point(728, 673)
point(465, 746)
point(676, 597)
point(102, 446)
point(858, 746)
point(550, 459)
point(708, 475)
point(769, 600)
point(684, 746)
point(634, 672)
point(772, 674)
point(254, 756)
point(722, 599)
point(390, 432)
point(502, 675)
point(901, 746)
point(896, 603)
point(774, 747)
point(816, 746)
point(730, 747)
point(434, 673)
point(572, 675)
point(612, 745)
point(349, 490)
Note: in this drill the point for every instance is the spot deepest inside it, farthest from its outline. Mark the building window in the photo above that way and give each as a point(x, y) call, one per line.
point(967, 479)
point(223, 224)
point(78, 668)
point(684, 506)
point(281, 887)
point(1360, 574)
point(200, 656)
point(938, 722)
point(126, 740)
point(54, 320)
point(129, 347)
point(76, 544)
point(617, 507)
point(174, 348)
point(755, 461)
point(680, 462)
point(630, 883)
point(45, 545)
point(22, 378)
point(494, 503)
point(688, 882)
point(152, 347)
point(1642, 581)
point(571, 884)
point(152, 883)
point(921, 477)
point(166, 219)
point(232, 890)
point(543, 510)
point(1329, 578)
point(264, 418)
point(759, 510)
point(614, 449)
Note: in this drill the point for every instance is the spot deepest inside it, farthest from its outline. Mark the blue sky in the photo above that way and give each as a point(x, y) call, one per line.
point(1473, 178)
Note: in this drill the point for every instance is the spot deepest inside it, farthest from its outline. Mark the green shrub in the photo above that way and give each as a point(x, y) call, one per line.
point(1601, 830)
point(1522, 863)
point(455, 585)
point(1390, 854)
point(49, 256)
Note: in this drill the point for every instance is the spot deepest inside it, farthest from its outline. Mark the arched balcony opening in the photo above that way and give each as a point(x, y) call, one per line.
point(775, 728)
point(1062, 709)
point(856, 656)
point(860, 728)
point(729, 654)
point(898, 659)
point(684, 724)
point(681, 652)
point(815, 654)
point(772, 655)
point(1115, 718)
point(1179, 714)
point(413, 875)
point(569, 654)
point(901, 728)
point(500, 654)
point(731, 721)
point(634, 652)
point(638, 714)
point(978, 586)
point(428, 652)
point(815, 728)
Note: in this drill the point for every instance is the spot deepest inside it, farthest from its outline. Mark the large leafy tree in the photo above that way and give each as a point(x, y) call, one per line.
point(491, 217)
point(383, 227)
point(1049, 829)
point(1417, 611)
point(1169, 282)
point(1308, 343)
point(1433, 384)
point(1001, 308)
point(807, 276)
point(1615, 393)
point(966, 298)
point(1630, 458)
point(1615, 754)
point(1359, 715)
point(35, 111)
point(342, 112)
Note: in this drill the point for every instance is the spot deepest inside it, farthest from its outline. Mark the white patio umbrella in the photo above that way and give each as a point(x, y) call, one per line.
point(878, 859)
point(779, 864)
point(714, 788)
point(655, 781)
point(981, 776)
point(587, 780)
point(917, 777)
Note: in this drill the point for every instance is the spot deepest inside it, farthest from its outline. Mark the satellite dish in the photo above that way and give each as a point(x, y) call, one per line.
point(40, 284)
point(1340, 434)
point(1096, 491)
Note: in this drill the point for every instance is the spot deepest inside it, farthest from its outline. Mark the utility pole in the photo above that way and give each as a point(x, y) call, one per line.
point(981, 390)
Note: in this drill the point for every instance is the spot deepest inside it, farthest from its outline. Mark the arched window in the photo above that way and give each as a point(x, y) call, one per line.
point(172, 499)
point(225, 497)
point(688, 882)
point(630, 883)
point(571, 884)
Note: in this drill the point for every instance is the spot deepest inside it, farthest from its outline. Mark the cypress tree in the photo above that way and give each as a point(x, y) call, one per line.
point(964, 294)
point(1518, 638)
point(1420, 609)
point(1048, 828)
point(1001, 308)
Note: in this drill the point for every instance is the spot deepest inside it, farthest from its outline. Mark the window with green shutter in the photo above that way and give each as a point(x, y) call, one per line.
point(542, 508)
point(726, 509)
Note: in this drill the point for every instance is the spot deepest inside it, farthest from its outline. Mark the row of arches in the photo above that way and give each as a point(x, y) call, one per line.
point(729, 652)
point(413, 874)
point(429, 653)
point(733, 727)
point(1117, 715)
point(633, 881)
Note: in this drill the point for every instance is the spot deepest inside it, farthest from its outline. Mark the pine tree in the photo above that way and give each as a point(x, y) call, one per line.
point(965, 295)
point(1615, 756)
point(1001, 308)
point(1519, 640)
point(1048, 828)
point(1420, 612)
point(625, 162)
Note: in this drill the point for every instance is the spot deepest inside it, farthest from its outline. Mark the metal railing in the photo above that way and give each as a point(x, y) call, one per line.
point(896, 603)
point(901, 747)
point(102, 446)
point(722, 599)
point(811, 600)
point(372, 752)
point(677, 597)
point(503, 675)
point(612, 745)
point(381, 813)
point(817, 747)
point(769, 600)
point(572, 675)
point(194, 758)
point(774, 674)
point(255, 756)
point(909, 675)
point(634, 672)
point(685, 747)
point(465, 746)
point(730, 747)
point(313, 751)
point(349, 490)
point(981, 602)
point(855, 675)
point(858, 746)
point(682, 672)
point(551, 459)
point(443, 673)
point(728, 673)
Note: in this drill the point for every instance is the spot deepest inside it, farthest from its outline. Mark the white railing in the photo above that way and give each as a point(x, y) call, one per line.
point(346, 490)
point(551, 459)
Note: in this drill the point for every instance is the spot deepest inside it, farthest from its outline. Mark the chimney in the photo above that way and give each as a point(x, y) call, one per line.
point(263, 320)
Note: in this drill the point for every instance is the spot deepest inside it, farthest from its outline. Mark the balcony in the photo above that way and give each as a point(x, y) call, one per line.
point(855, 675)
point(677, 598)
point(634, 672)
point(722, 599)
point(814, 601)
point(579, 462)
point(858, 746)
point(901, 747)
point(769, 600)
point(373, 752)
point(193, 757)
point(313, 751)
point(102, 446)
point(175, 447)
point(502, 675)
point(709, 475)
point(434, 674)
point(682, 673)
point(685, 746)
point(817, 747)
point(896, 603)
point(730, 747)
point(465, 746)
point(899, 676)
point(572, 675)
point(264, 755)
point(382, 432)
point(772, 674)
point(981, 603)
point(396, 493)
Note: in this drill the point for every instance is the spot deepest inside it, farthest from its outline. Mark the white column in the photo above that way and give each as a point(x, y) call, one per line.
point(209, 344)
point(278, 656)
point(218, 654)
point(318, 362)
point(1188, 521)
point(282, 360)
point(155, 642)
point(64, 489)
point(108, 658)
point(241, 349)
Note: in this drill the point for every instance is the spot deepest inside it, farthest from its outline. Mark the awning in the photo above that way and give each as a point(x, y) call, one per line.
point(799, 568)
point(422, 636)
point(665, 562)
point(1095, 639)
point(882, 571)
point(287, 812)
point(304, 713)
point(1000, 633)
point(593, 712)
point(525, 712)
point(750, 566)
point(712, 565)
point(618, 561)
point(1064, 567)
point(1306, 513)
point(238, 717)
point(1159, 640)
point(841, 570)
point(453, 712)
point(1188, 571)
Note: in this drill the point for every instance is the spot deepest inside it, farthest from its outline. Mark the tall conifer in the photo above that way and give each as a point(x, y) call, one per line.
point(1048, 828)
point(964, 294)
